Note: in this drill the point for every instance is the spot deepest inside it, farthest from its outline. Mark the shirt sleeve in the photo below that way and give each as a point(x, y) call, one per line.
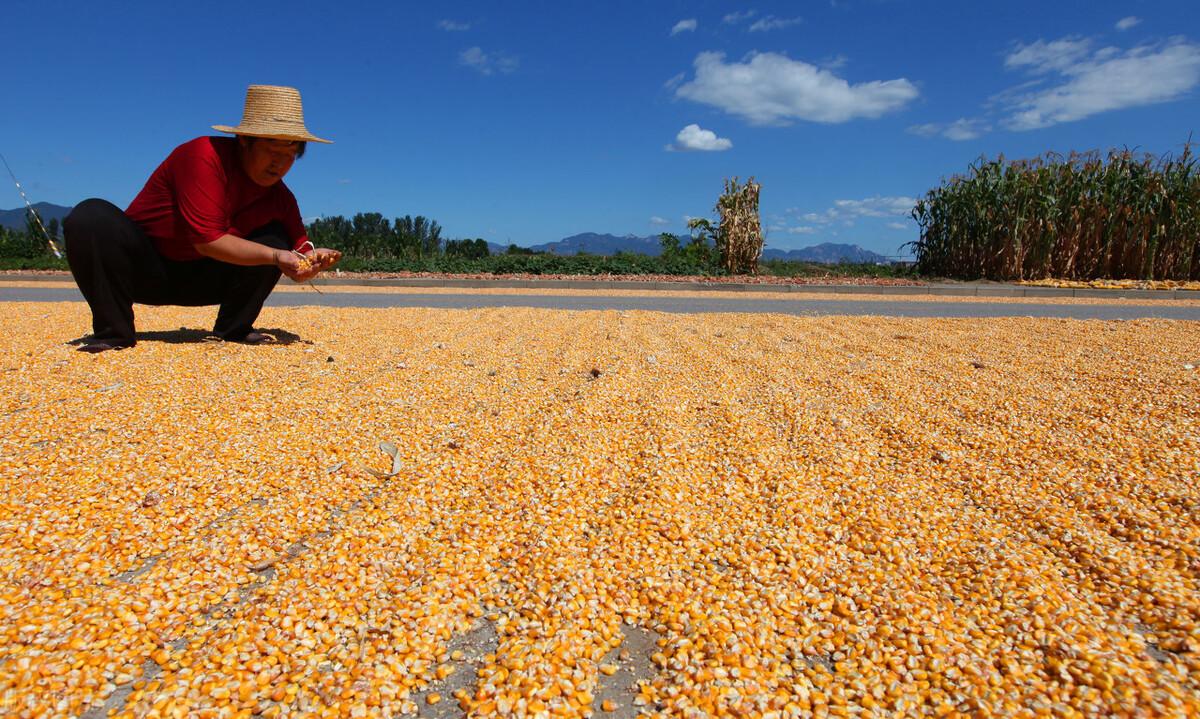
point(292, 222)
point(199, 182)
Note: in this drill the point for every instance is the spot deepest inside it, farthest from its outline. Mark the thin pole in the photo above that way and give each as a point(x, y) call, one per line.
point(29, 208)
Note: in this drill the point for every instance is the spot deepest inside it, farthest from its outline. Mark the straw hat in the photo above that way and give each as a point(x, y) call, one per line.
point(275, 112)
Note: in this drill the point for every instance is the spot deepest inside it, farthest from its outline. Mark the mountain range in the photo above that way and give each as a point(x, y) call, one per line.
point(589, 242)
point(15, 219)
point(603, 244)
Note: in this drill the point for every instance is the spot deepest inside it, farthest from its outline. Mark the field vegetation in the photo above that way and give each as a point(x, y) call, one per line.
point(1086, 216)
point(372, 243)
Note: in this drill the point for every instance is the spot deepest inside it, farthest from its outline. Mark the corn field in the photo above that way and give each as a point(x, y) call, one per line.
point(740, 239)
point(1087, 216)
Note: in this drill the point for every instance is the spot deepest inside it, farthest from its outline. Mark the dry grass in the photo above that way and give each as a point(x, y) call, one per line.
point(827, 516)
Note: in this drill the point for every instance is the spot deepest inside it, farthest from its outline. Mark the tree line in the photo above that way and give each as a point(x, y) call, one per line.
point(31, 242)
point(371, 236)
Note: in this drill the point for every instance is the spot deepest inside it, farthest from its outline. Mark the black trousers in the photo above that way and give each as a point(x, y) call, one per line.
point(115, 265)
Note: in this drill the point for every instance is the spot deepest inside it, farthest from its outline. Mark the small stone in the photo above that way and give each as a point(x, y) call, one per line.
point(595, 373)
point(329, 358)
point(152, 498)
point(941, 456)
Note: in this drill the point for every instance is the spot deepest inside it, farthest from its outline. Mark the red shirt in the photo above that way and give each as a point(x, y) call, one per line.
point(200, 192)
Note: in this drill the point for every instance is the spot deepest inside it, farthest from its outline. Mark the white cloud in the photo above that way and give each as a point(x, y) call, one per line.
point(899, 226)
point(801, 230)
point(961, 129)
point(684, 26)
point(847, 211)
point(1107, 79)
point(659, 221)
point(964, 129)
point(1041, 56)
point(734, 18)
point(771, 22)
point(454, 26)
point(475, 57)
point(673, 81)
point(929, 129)
point(836, 62)
point(772, 89)
point(1127, 22)
point(693, 137)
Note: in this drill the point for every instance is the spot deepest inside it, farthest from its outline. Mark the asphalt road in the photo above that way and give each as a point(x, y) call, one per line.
point(791, 306)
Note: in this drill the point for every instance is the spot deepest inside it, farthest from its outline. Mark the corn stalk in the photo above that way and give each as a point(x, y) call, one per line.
point(1087, 216)
point(739, 237)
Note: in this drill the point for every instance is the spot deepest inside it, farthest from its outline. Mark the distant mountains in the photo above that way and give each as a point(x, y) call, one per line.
point(603, 244)
point(596, 244)
point(587, 242)
point(15, 219)
point(826, 252)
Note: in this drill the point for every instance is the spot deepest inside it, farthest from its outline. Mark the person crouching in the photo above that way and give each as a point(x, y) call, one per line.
point(214, 225)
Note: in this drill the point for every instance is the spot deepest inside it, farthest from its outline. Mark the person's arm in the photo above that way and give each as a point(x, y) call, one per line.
point(238, 251)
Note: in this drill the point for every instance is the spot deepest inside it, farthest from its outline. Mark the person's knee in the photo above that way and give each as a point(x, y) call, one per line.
point(89, 212)
point(87, 216)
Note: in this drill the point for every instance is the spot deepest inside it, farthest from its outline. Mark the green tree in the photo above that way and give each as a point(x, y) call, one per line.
point(669, 243)
point(373, 234)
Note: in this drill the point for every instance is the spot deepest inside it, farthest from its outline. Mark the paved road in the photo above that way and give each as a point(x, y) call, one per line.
point(791, 306)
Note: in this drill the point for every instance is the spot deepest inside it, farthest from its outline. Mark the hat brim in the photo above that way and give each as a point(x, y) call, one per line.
point(271, 134)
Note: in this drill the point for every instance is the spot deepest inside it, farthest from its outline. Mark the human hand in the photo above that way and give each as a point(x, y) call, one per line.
point(324, 258)
point(298, 267)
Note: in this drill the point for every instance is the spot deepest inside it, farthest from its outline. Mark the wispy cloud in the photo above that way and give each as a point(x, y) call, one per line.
point(1127, 22)
point(899, 226)
point(488, 64)
point(1071, 79)
point(659, 221)
point(694, 138)
point(771, 22)
point(1043, 57)
point(683, 26)
point(959, 130)
point(847, 211)
point(835, 62)
point(734, 18)
point(1090, 82)
point(801, 230)
point(772, 89)
point(453, 26)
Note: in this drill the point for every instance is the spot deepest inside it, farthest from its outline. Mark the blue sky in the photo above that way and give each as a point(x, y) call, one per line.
point(528, 122)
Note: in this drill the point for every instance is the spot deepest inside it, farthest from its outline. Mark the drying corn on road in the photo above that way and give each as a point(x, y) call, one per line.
point(532, 512)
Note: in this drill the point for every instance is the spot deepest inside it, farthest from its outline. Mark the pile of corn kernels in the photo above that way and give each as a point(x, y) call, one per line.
point(833, 516)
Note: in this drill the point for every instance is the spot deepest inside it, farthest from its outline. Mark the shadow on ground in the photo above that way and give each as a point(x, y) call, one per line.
point(185, 335)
